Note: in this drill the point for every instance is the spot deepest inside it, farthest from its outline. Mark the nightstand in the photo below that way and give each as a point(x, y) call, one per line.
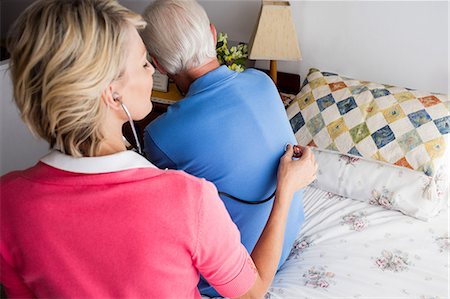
point(172, 95)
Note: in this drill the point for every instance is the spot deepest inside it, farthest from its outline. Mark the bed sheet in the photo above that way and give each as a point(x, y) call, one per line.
point(351, 249)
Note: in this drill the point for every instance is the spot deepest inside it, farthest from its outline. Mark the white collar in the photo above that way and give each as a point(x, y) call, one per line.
point(112, 163)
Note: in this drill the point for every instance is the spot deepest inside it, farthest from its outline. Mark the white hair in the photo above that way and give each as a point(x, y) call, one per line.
point(178, 34)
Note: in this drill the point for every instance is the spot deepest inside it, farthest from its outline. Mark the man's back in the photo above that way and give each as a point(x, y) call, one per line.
point(231, 129)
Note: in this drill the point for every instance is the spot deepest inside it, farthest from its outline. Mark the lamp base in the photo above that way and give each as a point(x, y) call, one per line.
point(273, 71)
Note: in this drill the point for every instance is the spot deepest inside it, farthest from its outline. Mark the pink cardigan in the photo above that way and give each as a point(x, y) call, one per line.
point(116, 226)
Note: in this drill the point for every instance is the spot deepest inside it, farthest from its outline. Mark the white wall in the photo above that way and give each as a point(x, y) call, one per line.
point(397, 42)
point(18, 148)
point(403, 43)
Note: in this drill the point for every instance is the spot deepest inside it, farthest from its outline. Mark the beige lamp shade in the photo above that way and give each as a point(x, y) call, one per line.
point(275, 37)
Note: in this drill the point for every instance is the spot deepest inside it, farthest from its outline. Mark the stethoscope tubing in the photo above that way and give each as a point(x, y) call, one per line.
point(138, 144)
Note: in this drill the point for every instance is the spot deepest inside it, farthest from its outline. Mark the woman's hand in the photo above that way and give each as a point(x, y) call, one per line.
point(296, 174)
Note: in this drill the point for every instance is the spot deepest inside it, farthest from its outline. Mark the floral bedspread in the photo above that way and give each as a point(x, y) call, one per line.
point(351, 249)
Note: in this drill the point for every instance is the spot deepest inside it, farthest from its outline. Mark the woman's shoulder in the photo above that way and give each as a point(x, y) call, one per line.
point(180, 191)
point(182, 180)
point(15, 175)
point(13, 183)
point(9, 177)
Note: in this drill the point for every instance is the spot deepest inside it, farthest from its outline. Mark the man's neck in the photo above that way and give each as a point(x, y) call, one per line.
point(185, 79)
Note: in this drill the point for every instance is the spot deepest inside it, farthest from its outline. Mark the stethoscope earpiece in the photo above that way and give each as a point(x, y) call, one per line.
point(116, 97)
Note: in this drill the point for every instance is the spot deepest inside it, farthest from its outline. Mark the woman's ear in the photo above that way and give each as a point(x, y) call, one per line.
point(111, 98)
point(158, 66)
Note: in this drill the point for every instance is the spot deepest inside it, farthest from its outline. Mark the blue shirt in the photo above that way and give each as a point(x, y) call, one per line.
point(230, 129)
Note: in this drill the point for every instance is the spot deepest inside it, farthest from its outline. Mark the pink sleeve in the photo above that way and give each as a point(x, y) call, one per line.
point(11, 281)
point(219, 256)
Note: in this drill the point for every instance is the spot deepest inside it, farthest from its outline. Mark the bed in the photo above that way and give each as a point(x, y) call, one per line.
point(377, 216)
point(352, 249)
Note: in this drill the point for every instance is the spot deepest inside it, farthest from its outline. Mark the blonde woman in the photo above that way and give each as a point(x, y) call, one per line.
point(91, 219)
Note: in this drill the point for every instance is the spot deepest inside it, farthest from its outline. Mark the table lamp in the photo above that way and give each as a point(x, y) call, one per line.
point(274, 37)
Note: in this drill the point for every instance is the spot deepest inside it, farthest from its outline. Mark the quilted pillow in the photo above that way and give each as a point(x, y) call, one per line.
point(400, 126)
point(376, 125)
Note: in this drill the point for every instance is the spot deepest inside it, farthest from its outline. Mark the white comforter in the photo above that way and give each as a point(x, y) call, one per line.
point(351, 249)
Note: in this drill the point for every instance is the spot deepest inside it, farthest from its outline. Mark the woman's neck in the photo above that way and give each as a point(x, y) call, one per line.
point(113, 141)
point(109, 147)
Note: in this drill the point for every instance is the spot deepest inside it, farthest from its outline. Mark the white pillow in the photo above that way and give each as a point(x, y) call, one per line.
point(397, 188)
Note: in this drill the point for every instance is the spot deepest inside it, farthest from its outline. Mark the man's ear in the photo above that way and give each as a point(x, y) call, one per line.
point(108, 98)
point(214, 33)
point(158, 66)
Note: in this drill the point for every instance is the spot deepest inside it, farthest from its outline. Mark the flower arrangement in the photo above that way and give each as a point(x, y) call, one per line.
point(235, 57)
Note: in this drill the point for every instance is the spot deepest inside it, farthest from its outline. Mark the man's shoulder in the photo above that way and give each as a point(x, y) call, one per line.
point(173, 117)
point(258, 79)
point(257, 74)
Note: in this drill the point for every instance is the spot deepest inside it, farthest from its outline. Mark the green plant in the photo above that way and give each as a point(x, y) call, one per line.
point(235, 57)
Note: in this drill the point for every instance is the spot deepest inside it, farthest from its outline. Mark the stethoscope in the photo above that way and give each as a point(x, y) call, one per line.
point(116, 97)
point(249, 202)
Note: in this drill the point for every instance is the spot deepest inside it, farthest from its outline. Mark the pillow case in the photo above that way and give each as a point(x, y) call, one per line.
point(392, 187)
point(382, 123)
point(396, 125)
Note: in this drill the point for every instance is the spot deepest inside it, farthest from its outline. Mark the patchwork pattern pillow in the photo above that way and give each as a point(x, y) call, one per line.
point(399, 126)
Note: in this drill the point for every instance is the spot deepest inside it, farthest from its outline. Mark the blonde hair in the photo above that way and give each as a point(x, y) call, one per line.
point(178, 34)
point(64, 54)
